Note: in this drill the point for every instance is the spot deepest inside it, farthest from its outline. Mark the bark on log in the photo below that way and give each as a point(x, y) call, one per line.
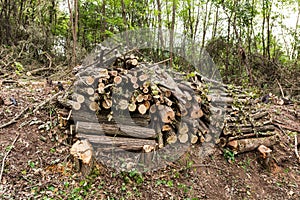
point(250, 144)
point(115, 130)
point(128, 144)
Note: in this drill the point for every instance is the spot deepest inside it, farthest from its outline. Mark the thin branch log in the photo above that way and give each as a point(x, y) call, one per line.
point(3, 161)
point(14, 120)
point(296, 150)
point(47, 100)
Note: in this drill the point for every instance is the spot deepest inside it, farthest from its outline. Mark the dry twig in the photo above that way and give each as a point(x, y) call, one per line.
point(47, 100)
point(14, 120)
point(296, 148)
point(3, 161)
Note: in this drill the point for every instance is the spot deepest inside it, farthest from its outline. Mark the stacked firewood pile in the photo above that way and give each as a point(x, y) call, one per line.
point(127, 104)
point(138, 106)
point(251, 121)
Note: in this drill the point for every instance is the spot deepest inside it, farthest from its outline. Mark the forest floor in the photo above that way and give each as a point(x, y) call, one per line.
point(34, 154)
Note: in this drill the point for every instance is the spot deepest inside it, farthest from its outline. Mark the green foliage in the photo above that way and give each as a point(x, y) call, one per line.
point(229, 155)
point(19, 68)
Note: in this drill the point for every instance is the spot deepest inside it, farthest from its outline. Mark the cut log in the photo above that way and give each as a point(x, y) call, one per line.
point(196, 112)
point(250, 144)
point(194, 139)
point(85, 91)
point(115, 130)
point(142, 109)
point(183, 138)
point(166, 113)
point(83, 152)
point(171, 137)
point(132, 107)
point(117, 80)
point(128, 144)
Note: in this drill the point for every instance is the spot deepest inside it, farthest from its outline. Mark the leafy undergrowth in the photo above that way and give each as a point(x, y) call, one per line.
point(38, 165)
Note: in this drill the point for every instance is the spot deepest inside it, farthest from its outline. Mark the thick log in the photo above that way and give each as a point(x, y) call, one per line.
point(83, 153)
point(183, 138)
point(251, 144)
point(128, 144)
point(115, 130)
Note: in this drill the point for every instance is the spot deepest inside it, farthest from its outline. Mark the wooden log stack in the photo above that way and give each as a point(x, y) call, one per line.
point(132, 104)
point(123, 103)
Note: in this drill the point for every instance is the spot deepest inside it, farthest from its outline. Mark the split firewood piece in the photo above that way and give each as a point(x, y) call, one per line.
point(166, 113)
point(159, 136)
point(83, 152)
point(128, 144)
point(265, 151)
point(146, 156)
point(115, 130)
point(198, 99)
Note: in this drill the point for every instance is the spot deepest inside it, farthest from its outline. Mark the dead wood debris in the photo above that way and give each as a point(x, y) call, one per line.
point(7, 153)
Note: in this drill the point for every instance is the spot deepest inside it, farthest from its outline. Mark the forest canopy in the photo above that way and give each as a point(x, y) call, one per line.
point(251, 42)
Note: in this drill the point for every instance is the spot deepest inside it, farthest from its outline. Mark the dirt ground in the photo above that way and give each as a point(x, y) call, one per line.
point(39, 166)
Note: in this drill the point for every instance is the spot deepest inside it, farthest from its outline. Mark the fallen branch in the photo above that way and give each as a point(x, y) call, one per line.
point(296, 149)
point(3, 161)
point(47, 100)
point(14, 120)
